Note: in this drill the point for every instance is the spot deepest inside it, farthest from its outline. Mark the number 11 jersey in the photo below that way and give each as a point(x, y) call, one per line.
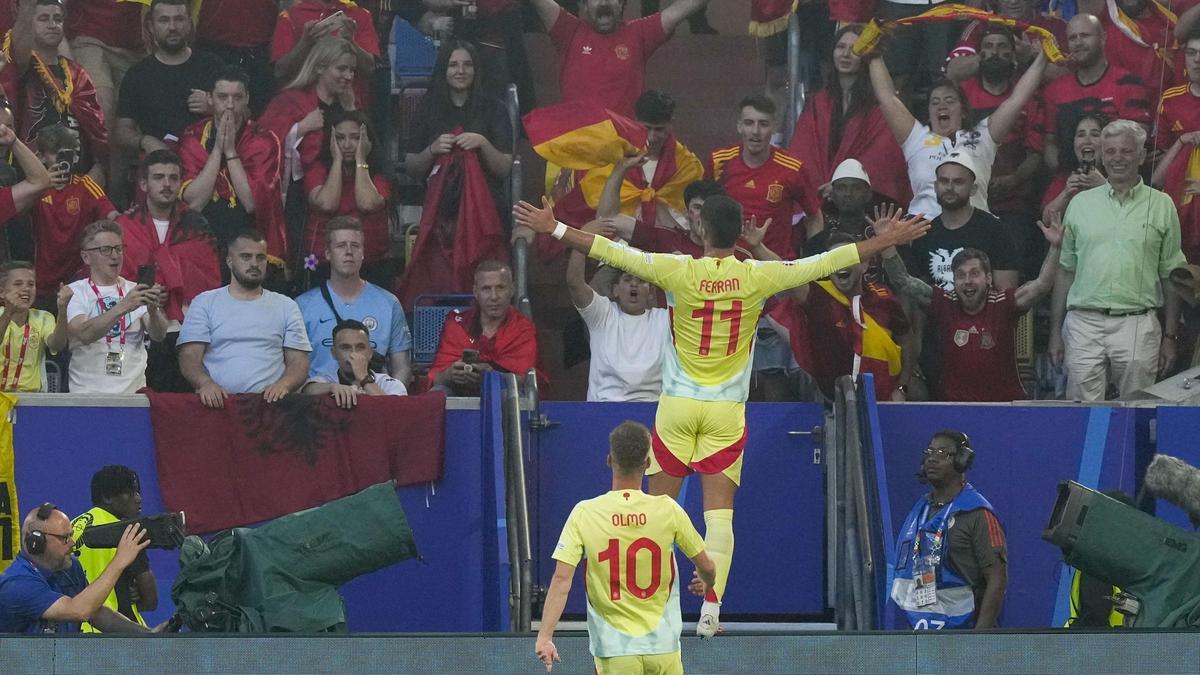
point(626, 538)
point(715, 304)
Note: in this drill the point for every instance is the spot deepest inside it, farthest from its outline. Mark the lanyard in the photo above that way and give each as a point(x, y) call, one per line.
point(936, 546)
point(20, 358)
point(104, 308)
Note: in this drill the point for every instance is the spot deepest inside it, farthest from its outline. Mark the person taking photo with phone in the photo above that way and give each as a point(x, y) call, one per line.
point(108, 317)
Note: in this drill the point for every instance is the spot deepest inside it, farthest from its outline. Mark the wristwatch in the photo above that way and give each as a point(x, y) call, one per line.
point(369, 379)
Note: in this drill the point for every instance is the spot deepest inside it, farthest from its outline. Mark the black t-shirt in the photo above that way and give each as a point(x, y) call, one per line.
point(155, 95)
point(929, 257)
point(428, 124)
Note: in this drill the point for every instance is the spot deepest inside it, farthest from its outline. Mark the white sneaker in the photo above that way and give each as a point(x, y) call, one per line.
point(710, 620)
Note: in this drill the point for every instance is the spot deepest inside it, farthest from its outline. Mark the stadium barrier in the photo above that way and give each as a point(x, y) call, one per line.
point(950, 652)
point(465, 583)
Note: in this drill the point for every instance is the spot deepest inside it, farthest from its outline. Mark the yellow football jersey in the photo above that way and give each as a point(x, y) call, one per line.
point(715, 305)
point(626, 537)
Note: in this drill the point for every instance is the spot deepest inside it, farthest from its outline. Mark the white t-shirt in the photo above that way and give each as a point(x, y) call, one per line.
point(626, 351)
point(390, 385)
point(925, 150)
point(161, 227)
point(88, 370)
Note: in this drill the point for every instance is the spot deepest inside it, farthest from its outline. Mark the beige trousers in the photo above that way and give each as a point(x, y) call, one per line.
point(1102, 349)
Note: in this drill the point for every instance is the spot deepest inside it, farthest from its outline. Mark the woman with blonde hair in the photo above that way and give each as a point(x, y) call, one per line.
point(297, 114)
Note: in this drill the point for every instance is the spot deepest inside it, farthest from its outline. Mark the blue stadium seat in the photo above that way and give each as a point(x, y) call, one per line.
point(412, 54)
point(429, 315)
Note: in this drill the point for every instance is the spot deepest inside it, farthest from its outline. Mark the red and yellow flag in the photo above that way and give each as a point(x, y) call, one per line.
point(872, 34)
point(874, 347)
point(581, 136)
point(678, 165)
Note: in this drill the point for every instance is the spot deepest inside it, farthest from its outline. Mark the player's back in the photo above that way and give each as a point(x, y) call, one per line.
point(627, 539)
point(715, 306)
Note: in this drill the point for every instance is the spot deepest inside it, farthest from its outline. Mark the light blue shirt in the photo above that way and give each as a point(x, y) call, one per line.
point(245, 338)
point(377, 309)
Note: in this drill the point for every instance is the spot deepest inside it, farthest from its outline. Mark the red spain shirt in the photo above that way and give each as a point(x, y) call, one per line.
point(608, 70)
point(1178, 113)
point(976, 352)
point(59, 219)
point(1012, 153)
point(777, 189)
point(1118, 94)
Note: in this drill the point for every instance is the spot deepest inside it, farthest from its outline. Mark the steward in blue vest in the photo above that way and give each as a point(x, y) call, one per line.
point(951, 560)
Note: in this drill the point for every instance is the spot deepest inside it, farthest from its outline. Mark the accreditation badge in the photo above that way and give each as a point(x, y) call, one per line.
point(925, 576)
point(113, 362)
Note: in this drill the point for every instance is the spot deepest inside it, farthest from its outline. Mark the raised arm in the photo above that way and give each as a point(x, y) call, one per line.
point(1002, 121)
point(37, 179)
point(610, 196)
point(899, 119)
point(84, 606)
point(905, 284)
point(679, 10)
point(582, 295)
point(22, 35)
point(1028, 294)
point(547, 11)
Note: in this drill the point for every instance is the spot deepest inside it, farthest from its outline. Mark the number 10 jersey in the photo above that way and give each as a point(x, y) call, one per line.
point(626, 538)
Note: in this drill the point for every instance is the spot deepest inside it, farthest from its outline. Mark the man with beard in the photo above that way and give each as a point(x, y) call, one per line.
point(53, 89)
point(242, 338)
point(974, 325)
point(965, 59)
point(951, 554)
point(231, 167)
point(110, 318)
point(1017, 162)
point(960, 226)
point(45, 590)
point(177, 244)
point(1096, 86)
point(1120, 246)
point(850, 193)
point(626, 334)
point(492, 335)
point(602, 57)
point(167, 91)
point(855, 326)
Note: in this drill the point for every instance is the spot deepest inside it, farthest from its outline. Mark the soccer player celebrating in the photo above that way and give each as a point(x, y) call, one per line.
point(715, 304)
point(633, 595)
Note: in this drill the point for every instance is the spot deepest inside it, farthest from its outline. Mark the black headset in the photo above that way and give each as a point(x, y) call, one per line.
point(964, 455)
point(35, 540)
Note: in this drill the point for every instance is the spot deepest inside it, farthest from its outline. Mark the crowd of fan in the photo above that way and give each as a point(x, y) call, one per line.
point(243, 148)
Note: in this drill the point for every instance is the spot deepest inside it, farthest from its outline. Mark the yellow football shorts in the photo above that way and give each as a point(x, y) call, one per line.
point(698, 436)
point(645, 664)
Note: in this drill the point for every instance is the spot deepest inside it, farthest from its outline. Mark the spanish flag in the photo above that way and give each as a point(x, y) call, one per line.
point(677, 168)
point(875, 351)
point(872, 34)
point(768, 17)
point(581, 136)
point(1186, 167)
point(10, 513)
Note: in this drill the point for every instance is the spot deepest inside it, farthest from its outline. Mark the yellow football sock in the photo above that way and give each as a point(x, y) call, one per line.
point(718, 542)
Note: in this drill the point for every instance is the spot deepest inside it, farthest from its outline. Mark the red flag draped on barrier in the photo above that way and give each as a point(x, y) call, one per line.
point(459, 229)
point(254, 460)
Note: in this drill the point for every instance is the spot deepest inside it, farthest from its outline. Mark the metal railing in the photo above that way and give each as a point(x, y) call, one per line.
point(850, 554)
point(520, 552)
point(797, 78)
point(516, 188)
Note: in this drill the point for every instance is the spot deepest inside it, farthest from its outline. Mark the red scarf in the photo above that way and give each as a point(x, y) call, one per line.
point(450, 247)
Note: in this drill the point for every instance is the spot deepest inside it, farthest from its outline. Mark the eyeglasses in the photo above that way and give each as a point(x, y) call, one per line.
point(66, 538)
point(107, 250)
point(940, 453)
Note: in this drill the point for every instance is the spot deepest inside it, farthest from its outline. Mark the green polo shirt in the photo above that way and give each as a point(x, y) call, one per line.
point(1120, 250)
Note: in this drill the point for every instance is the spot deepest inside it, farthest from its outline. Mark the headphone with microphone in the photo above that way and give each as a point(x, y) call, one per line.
point(964, 454)
point(35, 540)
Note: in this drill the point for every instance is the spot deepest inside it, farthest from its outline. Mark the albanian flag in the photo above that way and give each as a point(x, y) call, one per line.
point(768, 17)
point(869, 39)
point(582, 136)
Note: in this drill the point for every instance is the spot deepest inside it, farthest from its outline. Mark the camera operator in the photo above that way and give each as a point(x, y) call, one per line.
point(116, 495)
point(951, 556)
point(45, 591)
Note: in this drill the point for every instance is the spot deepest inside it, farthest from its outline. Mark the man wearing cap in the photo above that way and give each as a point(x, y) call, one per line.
point(1120, 246)
point(851, 195)
point(960, 226)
